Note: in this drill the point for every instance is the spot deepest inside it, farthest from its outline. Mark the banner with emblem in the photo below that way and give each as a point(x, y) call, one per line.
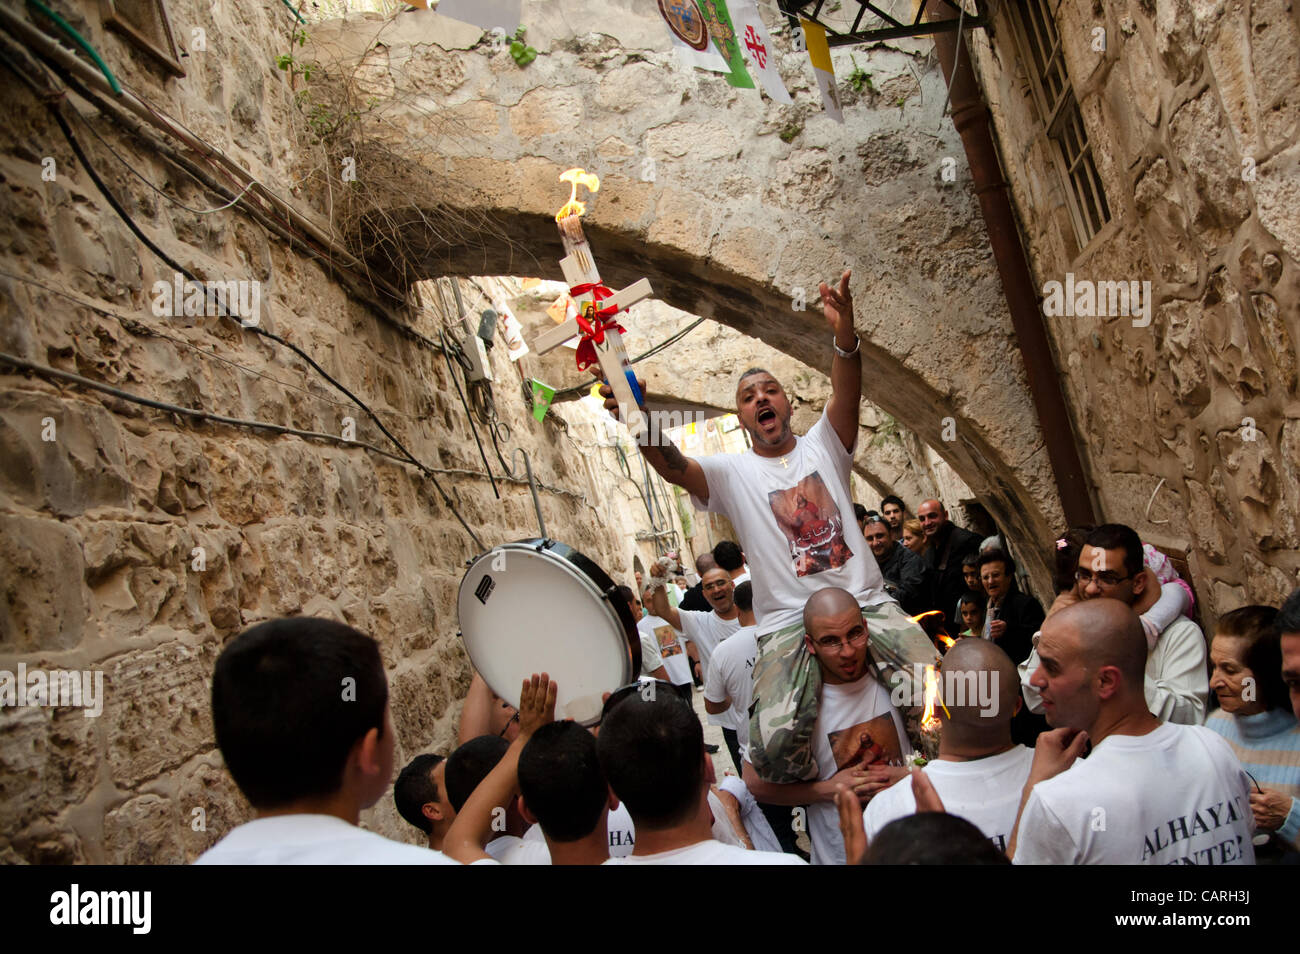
point(762, 55)
point(690, 34)
point(724, 37)
point(819, 52)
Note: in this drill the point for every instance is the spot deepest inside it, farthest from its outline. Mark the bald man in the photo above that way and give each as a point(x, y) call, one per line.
point(857, 732)
point(980, 772)
point(1150, 792)
point(948, 546)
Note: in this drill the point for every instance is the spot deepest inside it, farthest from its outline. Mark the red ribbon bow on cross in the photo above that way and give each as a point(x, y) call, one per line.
point(593, 329)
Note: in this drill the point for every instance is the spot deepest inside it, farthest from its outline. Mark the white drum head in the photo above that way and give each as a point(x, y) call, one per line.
point(540, 606)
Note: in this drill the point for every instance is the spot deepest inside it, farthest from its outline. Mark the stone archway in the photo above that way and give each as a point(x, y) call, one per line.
point(732, 206)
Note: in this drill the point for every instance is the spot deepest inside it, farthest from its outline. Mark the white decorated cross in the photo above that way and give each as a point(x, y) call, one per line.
point(597, 309)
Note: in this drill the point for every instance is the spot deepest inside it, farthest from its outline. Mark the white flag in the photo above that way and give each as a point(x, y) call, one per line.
point(819, 52)
point(752, 35)
point(487, 14)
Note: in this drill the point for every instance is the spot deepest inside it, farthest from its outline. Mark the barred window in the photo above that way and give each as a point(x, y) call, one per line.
point(1041, 48)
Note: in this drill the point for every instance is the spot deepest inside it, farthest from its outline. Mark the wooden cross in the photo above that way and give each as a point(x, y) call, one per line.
point(579, 269)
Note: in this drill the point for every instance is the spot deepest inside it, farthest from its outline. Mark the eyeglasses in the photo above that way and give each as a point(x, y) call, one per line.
point(1103, 579)
point(833, 644)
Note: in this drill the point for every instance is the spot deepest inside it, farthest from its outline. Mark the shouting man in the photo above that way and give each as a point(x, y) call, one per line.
point(789, 500)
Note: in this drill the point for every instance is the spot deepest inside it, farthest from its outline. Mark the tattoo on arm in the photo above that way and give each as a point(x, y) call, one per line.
point(673, 458)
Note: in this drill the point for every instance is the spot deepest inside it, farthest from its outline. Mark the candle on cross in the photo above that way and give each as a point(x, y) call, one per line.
point(597, 307)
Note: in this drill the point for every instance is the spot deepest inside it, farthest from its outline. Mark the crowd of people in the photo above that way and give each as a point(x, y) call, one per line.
point(1084, 734)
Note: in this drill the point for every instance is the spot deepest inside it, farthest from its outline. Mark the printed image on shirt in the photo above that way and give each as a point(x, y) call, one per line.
point(668, 644)
point(812, 524)
point(866, 742)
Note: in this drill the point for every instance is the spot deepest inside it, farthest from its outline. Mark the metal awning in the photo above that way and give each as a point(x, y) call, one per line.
point(848, 22)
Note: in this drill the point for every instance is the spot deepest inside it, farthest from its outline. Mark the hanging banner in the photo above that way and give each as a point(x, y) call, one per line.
point(757, 42)
point(543, 395)
point(690, 34)
point(511, 331)
point(819, 52)
point(724, 38)
point(488, 14)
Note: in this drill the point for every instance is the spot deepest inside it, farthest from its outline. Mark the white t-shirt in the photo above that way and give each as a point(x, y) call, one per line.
point(1175, 795)
point(622, 833)
point(796, 523)
point(1176, 684)
point(986, 792)
point(731, 676)
point(313, 840)
point(710, 852)
point(757, 826)
point(706, 629)
point(651, 658)
point(529, 850)
point(843, 715)
point(671, 652)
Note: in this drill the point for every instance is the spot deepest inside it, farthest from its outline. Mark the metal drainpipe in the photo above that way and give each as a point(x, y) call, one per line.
point(973, 121)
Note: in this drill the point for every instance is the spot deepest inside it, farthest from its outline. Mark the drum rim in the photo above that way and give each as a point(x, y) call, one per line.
point(591, 574)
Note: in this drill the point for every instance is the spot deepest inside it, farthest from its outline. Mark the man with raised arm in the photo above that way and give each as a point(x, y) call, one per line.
point(788, 498)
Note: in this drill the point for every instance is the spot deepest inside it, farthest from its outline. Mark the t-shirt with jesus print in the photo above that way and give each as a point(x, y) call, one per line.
point(856, 726)
point(794, 519)
point(1176, 795)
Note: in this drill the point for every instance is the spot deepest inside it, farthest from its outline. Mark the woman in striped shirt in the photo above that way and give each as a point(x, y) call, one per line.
point(1255, 718)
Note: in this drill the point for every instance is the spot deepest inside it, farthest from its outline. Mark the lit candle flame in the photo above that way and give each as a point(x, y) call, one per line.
point(947, 641)
point(575, 178)
point(930, 722)
point(920, 616)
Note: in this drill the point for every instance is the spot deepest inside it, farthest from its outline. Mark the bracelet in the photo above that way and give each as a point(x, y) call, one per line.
point(857, 343)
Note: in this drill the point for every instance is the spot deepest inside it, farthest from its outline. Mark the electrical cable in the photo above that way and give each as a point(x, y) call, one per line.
point(82, 42)
point(667, 342)
point(135, 229)
point(469, 415)
point(131, 169)
point(68, 376)
point(135, 326)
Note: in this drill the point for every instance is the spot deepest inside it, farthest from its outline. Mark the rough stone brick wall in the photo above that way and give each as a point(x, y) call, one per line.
point(1193, 118)
point(99, 524)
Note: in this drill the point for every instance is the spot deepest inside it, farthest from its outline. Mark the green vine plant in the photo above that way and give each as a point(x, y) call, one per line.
point(859, 78)
point(293, 66)
point(523, 53)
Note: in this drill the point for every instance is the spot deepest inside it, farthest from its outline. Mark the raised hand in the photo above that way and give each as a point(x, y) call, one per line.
point(927, 799)
point(611, 402)
point(536, 703)
point(852, 826)
point(837, 305)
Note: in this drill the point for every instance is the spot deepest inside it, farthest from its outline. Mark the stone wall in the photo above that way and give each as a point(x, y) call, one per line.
point(1190, 427)
point(108, 508)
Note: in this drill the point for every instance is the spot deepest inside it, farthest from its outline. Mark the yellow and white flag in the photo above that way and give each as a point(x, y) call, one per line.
point(819, 52)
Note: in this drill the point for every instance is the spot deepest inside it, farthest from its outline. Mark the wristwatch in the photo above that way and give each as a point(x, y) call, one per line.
point(857, 343)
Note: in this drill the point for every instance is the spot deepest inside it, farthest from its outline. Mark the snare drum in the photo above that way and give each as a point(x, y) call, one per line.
point(541, 606)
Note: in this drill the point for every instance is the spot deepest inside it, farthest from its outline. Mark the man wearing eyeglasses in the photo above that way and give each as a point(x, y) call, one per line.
point(858, 738)
point(1177, 684)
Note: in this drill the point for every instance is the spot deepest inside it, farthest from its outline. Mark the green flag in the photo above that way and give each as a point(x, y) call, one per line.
point(724, 37)
point(543, 394)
